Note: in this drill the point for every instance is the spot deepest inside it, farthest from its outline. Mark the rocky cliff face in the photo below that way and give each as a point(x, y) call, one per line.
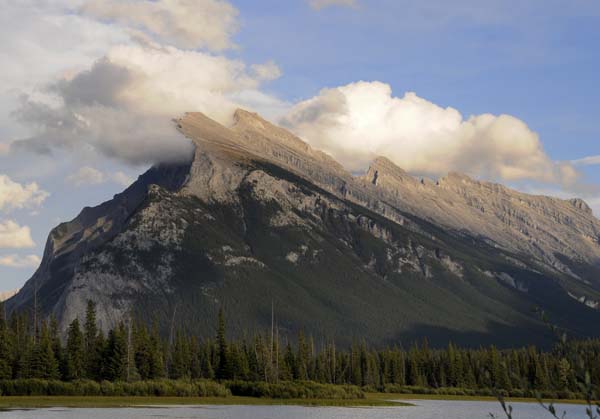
point(258, 216)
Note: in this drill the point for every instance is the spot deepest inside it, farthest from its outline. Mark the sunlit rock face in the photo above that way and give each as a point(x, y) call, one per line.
point(258, 216)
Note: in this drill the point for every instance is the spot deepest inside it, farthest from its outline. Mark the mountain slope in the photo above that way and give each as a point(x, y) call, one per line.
point(259, 217)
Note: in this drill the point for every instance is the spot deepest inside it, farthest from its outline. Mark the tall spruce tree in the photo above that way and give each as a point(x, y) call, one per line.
point(75, 352)
point(90, 343)
point(44, 363)
point(114, 359)
point(5, 347)
point(223, 367)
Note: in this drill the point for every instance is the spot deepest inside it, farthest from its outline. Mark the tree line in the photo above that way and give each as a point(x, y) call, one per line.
point(134, 351)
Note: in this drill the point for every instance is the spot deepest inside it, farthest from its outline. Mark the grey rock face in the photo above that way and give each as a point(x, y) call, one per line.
point(133, 248)
point(542, 227)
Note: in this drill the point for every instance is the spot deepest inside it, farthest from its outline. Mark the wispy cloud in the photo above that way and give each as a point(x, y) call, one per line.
point(321, 4)
point(587, 161)
point(86, 176)
point(17, 261)
point(182, 23)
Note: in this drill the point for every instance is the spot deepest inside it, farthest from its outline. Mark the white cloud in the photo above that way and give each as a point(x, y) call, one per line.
point(182, 23)
point(13, 195)
point(362, 120)
point(14, 236)
point(122, 179)
point(266, 71)
point(16, 261)
point(587, 161)
point(122, 106)
point(86, 176)
point(320, 4)
point(4, 148)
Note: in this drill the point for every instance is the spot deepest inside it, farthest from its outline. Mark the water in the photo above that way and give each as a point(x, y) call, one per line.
point(424, 409)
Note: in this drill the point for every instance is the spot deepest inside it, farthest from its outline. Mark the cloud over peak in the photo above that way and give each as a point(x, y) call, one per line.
point(122, 105)
point(362, 120)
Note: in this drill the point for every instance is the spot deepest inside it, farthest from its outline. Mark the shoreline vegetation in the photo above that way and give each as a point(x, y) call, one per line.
point(134, 365)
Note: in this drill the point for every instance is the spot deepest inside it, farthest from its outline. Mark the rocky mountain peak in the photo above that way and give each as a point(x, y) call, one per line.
point(382, 167)
point(580, 204)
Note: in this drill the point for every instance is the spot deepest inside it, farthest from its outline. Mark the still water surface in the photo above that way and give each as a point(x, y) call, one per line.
point(424, 409)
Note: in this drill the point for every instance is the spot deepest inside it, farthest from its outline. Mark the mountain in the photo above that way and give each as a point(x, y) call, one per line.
point(258, 218)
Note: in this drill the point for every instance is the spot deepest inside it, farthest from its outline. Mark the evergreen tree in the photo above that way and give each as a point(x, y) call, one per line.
point(143, 353)
point(223, 367)
point(157, 359)
point(90, 342)
point(114, 359)
point(44, 363)
point(75, 352)
point(5, 347)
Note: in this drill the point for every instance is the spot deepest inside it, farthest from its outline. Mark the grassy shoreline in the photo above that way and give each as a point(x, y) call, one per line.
point(25, 402)
point(372, 400)
point(447, 397)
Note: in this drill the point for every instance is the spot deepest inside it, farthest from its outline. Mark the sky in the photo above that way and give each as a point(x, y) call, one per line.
point(502, 90)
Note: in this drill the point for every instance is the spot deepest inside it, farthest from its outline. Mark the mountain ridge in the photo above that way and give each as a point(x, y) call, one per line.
point(256, 202)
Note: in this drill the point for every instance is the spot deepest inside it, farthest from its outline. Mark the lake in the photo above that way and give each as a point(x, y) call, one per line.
point(424, 409)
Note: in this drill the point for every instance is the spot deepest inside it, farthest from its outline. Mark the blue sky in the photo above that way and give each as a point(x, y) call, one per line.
point(537, 61)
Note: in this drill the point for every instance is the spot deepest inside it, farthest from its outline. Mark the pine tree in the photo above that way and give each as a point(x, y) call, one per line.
point(5, 347)
point(44, 363)
point(289, 368)
point(57, 347)
point(143, 353)
point(302, 358)
point(564, 372)
point(75, 352)
point(223, 368)
point(180, 358)
point(90, 340)
point(157, 359)
point(114, 360)
point(205, 361)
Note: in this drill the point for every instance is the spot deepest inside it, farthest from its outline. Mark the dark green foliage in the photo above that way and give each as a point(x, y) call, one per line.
point(5, 346)
point(131, 362)
point(75, 352)
point(92, 343)
point(294, 390)
point(44, 363)
point(224, 370)
point(159, 388)
point(114, 359)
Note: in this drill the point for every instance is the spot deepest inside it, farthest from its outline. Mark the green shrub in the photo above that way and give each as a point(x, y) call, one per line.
point(294, 390)
point(38, 387)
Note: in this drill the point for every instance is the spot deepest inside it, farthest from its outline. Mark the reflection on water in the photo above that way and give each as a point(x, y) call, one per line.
point(423, 409)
